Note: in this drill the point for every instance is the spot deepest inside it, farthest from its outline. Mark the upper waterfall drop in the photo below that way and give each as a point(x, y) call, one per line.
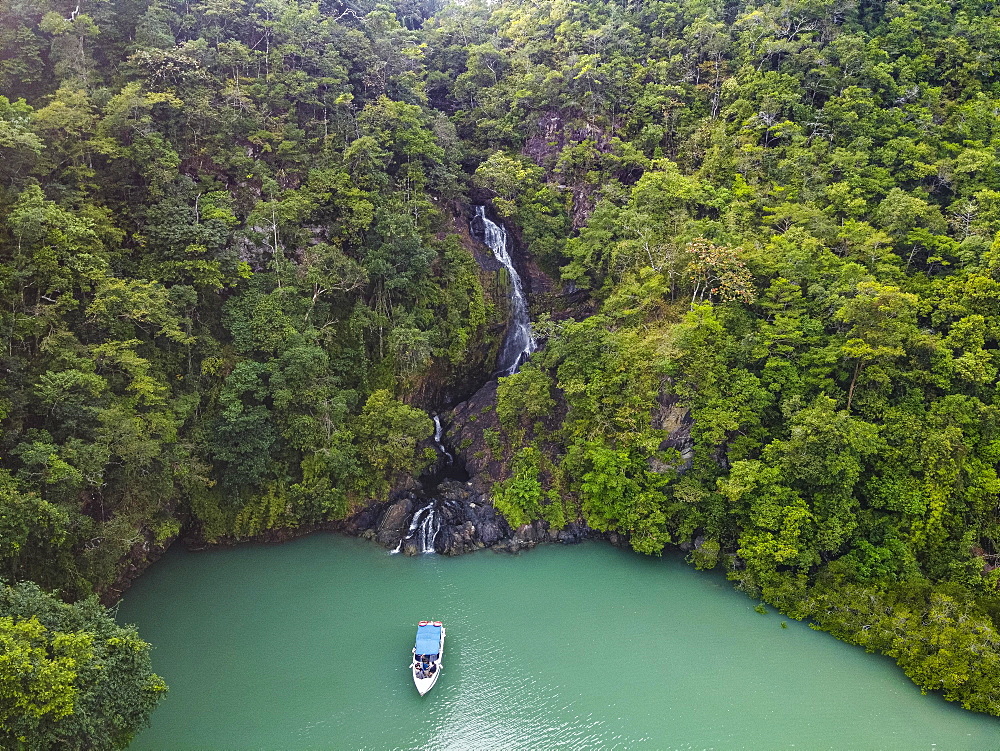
point(518, 343)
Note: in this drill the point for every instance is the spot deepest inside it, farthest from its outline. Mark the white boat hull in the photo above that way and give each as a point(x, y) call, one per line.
point(426, 684)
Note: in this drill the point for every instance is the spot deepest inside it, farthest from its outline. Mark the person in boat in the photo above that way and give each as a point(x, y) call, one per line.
point(423, 666)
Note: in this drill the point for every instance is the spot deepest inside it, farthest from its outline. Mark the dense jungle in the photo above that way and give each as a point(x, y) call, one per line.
point(760, 241)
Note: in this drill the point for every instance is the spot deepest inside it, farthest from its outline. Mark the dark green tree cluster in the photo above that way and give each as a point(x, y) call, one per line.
point(70, 677)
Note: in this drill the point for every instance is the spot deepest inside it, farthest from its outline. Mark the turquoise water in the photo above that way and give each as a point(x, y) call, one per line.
point(307, 645)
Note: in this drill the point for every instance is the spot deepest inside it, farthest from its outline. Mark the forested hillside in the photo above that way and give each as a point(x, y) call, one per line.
point(237, 277)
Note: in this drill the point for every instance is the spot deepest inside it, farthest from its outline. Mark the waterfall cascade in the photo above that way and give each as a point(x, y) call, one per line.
point(428, 530)
point(518, 343)
point(424, 528)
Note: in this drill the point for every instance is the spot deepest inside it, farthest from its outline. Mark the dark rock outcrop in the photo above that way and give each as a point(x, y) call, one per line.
point(468, 520)
point(466, 428)
point(464, 521)
point(676, 420)
point(530, 535)
point(142, 555)
point(392, 527)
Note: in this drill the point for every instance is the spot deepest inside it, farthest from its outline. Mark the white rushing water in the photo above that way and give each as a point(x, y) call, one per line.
point(438, 432)
point(430, 525)
point(424, 528)
point(518, 343)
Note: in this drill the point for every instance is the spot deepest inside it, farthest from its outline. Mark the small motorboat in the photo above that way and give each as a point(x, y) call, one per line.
point(427, 655)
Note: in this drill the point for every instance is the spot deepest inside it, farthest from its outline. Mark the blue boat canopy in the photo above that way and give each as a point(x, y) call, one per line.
point(428, 639)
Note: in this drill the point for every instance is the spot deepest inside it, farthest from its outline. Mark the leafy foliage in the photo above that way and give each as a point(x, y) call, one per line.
point(70, 677)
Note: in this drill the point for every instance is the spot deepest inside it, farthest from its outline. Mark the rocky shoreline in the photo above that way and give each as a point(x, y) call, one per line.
point(468, 522)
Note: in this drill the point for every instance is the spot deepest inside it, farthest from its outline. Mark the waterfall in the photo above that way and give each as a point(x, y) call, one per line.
point(437, 441)
point(518, 343)
point(429, 528)
point(424, 528)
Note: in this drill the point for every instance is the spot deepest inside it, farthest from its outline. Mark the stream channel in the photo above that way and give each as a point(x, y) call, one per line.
point(306, 645)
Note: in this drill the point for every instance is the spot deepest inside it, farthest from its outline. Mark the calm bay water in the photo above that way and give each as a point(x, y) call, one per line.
point(307, 645)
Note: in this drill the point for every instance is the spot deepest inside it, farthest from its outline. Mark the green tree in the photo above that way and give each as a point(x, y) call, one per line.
point(883, 324)
point(387, 433)
point(70, 677)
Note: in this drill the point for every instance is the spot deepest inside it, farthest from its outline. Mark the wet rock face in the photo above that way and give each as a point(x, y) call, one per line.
point(468, 520)
point(393, 525)
point(530, 535)
point(465, 429)
point(464, 521)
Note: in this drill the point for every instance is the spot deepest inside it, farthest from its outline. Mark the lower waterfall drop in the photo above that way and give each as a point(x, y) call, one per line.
point(429, 528)
point(424, 528)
